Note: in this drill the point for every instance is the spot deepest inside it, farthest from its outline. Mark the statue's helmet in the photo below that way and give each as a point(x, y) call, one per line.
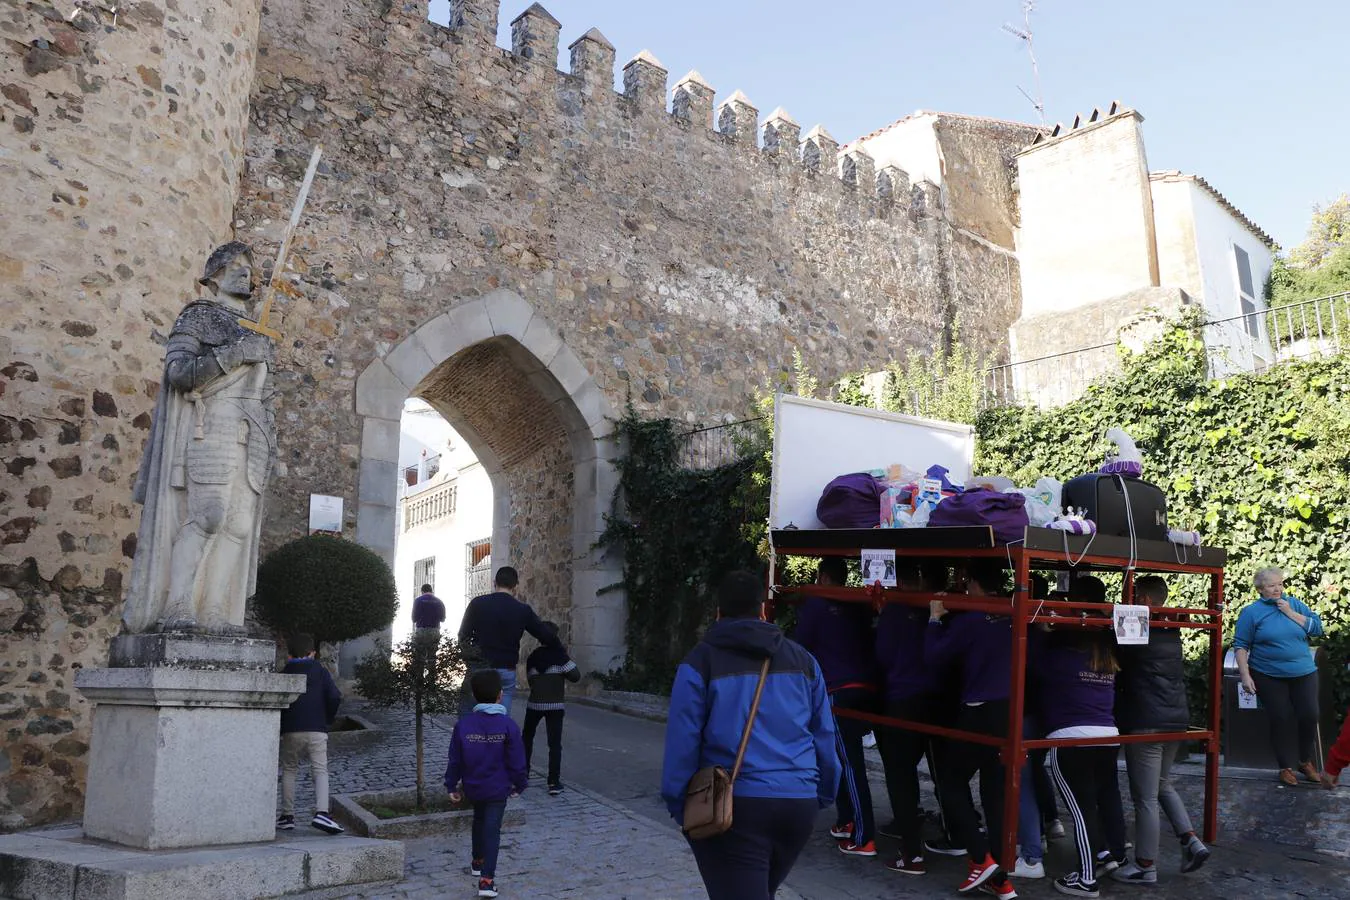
point(220, 258)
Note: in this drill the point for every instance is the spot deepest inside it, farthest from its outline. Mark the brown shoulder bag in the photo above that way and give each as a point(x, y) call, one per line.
point(707, 799)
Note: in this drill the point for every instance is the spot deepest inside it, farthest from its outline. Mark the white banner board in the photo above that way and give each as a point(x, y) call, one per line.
point(815, 441)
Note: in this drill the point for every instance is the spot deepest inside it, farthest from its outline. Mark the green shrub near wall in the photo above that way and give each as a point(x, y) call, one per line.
point(1256, 463)
point(679, 531)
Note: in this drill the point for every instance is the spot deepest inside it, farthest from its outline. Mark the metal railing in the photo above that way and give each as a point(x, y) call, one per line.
point(1248, 343)
point(1252, 342)
point(719, 445)
point(477, 568)
point(1311, 328)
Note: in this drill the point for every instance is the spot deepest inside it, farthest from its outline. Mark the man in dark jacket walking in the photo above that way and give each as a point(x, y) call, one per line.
point(495, 623)
point(791, 768)
point(1151, 697)
point(304, 731)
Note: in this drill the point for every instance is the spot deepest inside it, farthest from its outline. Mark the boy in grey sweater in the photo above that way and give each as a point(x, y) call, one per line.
point(548, 669)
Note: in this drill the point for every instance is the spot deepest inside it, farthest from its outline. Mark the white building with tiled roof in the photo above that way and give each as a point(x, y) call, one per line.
point(1108, 249)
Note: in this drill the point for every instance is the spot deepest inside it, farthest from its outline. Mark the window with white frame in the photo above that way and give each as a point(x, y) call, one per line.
point(1247, 292)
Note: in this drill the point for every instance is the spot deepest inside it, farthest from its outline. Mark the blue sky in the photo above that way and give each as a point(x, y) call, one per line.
point(1248, 94)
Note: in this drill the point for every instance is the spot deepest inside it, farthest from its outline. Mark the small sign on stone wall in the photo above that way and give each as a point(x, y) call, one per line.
point(325, 514)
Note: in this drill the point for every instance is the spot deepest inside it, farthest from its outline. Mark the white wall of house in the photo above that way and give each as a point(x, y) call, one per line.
point(1086, 232)
point(910, 145)
point(1221, 240)
point(1099, 230)
point(442, 536)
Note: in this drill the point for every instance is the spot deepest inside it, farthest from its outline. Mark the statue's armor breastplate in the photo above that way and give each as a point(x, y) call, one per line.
point(210, 324)
point(230, 418)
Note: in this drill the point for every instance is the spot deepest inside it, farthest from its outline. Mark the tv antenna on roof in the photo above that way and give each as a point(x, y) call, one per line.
point(1023, 34)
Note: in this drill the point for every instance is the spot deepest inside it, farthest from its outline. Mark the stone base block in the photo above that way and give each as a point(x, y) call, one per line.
point(183, 757)
point(193, 651)
point(62, 864)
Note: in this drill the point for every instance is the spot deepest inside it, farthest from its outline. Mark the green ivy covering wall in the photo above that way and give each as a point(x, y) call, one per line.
point(679, 532)
point(1256, 463)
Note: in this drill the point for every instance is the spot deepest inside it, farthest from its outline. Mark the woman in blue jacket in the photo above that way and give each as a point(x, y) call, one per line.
point(1271, 640)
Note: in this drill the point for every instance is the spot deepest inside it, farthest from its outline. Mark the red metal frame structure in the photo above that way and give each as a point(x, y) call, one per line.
point(1042, 549)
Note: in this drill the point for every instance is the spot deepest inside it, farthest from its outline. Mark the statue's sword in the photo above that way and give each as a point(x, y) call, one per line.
point(260, 326)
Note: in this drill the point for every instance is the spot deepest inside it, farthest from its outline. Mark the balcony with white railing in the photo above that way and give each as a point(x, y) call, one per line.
point(435, 504)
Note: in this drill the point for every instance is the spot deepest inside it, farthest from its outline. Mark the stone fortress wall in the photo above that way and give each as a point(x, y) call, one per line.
point(121, 143)
point(528, 249)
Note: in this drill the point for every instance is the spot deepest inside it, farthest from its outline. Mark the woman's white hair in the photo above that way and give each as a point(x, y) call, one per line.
point(1262, 575)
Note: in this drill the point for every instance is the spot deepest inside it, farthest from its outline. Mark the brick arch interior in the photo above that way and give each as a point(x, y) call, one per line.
point(504, 379)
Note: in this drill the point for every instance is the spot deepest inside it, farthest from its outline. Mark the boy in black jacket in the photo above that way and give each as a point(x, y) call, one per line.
point(304, 730)
point(546, 668)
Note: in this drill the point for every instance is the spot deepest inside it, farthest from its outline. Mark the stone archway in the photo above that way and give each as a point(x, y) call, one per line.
point(503, 377)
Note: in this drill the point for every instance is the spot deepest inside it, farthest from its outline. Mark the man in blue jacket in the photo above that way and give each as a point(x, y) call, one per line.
point(304, 731)
point(791, 768)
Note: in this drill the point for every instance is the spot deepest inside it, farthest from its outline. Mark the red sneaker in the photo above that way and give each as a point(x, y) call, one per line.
point(979, 873)
point(842, 830)
point(1003, 891)
point(907, 865)
point(849, 848)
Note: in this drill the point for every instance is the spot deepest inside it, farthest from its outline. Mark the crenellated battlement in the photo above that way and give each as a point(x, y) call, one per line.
point(735, 120)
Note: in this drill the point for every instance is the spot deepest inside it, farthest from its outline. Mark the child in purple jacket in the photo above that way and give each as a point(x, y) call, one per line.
point(487, 767)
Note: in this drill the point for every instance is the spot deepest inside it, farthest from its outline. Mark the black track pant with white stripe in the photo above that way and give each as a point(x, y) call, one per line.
point(1081, 773)
point(854, 800)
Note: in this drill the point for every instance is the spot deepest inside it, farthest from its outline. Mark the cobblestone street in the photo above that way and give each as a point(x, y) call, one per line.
point(579, 844)
point(609, 836)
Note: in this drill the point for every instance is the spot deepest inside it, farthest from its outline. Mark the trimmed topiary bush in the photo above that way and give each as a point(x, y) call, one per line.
point(334, 589)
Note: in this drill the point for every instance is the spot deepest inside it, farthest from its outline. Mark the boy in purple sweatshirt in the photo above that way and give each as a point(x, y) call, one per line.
point(839, 636)
point(486, 767)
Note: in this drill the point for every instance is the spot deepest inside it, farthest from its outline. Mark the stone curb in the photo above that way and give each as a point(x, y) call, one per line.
point(636, 711)
point(349, 809)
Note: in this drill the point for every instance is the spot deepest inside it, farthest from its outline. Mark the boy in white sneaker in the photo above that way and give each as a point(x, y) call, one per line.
point(304, 732)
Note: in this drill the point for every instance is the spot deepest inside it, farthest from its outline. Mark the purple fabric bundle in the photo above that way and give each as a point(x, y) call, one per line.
point(851, 501)
point(1005, 513)
point(1128, 468)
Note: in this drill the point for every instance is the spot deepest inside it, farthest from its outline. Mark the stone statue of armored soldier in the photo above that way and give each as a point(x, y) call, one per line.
point(212, 447)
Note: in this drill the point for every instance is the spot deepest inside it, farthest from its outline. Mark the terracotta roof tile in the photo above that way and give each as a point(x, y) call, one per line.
point(1177, 175)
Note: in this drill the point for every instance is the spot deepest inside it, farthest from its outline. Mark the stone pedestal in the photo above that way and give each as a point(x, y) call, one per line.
point(192, 651)
point(184, 751)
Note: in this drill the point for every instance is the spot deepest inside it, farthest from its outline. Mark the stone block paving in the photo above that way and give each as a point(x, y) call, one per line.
point(583, 844)
point(572, 846)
